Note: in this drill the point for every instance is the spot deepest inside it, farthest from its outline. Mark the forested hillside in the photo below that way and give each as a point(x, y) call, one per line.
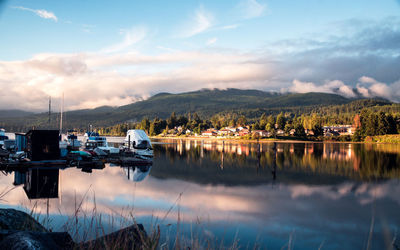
point(206, 104)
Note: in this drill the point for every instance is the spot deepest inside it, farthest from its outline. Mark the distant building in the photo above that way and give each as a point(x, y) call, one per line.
point(209, 133)
point(338, 129)
point(244, 132)
point(232, 129)
point(225, 132)
point(172, 132)
point(309, 132)
point(331, 133)
point(280, 132)
point(262, 133)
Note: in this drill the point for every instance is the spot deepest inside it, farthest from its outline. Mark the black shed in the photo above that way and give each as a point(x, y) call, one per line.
point(43, 145)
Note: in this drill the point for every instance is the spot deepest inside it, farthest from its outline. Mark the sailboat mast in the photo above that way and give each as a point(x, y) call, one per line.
point(49, 110)
point(61, 113)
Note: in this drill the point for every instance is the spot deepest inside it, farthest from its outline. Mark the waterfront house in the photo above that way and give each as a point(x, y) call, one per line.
point(309, 132)
point(232, 129)
point(331, 133)
point(339, 129)
point(280, 132)
point(209, 133)
point(244, 132)
point(225, 132)
point(262, 133)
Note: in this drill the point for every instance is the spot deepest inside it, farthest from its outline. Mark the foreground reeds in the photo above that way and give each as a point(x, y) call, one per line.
point(85, 225)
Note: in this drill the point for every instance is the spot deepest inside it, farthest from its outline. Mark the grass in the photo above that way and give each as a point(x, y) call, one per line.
point(82, 222)
point(384, 139)
point(86, 224)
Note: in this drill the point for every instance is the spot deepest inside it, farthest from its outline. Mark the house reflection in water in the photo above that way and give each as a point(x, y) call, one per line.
point(338, 151)
point(39, 183)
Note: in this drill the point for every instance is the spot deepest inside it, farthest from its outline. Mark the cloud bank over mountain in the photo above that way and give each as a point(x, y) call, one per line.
point(361, 60)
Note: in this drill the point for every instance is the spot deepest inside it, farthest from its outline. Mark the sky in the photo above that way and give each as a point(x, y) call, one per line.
point(118, 52)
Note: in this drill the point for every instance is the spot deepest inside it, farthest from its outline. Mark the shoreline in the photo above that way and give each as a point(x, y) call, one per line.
point(269, 140)
point(239, 140)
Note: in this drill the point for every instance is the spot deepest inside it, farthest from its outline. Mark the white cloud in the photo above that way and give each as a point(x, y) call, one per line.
point(335, 86)
point(41, 13)
point(202, 21)
point(230, 27)
point(252, 8)
point(166, 48)
point(131, 37)
point(378, 88)
point(211, 41)
point(382, 90)
point(116, 79)
point(301, 87)
point(366, 79)
point(367, 87)
point(363, 90)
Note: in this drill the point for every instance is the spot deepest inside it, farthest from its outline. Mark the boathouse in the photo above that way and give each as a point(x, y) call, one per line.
point(42, 145)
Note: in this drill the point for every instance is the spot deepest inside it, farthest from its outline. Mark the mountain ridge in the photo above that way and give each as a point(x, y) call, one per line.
point(205, 102)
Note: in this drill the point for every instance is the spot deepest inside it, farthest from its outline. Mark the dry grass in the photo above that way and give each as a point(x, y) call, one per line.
point(84, 225)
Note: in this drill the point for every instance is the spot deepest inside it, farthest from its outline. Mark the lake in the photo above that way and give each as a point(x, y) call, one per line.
point(228, 194)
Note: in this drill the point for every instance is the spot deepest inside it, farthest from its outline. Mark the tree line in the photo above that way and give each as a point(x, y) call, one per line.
point(366, 123)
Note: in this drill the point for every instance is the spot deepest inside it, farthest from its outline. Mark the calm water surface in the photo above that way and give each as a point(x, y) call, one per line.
point(296, 195)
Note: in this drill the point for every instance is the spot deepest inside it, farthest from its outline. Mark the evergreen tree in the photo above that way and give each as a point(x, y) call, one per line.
point(172, 121)
point(280, 121)
point(299, 129)
point(242, 121)
point(288, 127)
point(269, 127)
point(263, 121)
point(152, 131)
point(318, 130)
point(271, 120)
point(255, 126)
point(145, 124)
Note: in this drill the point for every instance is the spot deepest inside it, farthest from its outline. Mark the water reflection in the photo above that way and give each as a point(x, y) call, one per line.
point(137, 173)
point(267, 193)
point(353, 161)
point(43, 183)
point(38, 183)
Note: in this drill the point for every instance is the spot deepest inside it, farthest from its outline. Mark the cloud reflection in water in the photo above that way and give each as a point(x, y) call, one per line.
point(338, 213)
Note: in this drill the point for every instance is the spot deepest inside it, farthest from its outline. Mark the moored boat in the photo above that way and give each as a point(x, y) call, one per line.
point(95, 140)
point(138, 142)
point(3, 136)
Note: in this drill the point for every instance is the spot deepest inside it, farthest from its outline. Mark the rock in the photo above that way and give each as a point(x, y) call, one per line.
point(11, 219)
point(18, 230)
point(37, 240)
point(128, 238)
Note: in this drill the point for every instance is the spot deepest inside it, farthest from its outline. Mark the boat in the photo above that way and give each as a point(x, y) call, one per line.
point(73, 142)
point(3, 136)
point(70, 143)
point(94, 140)
point(138, 142)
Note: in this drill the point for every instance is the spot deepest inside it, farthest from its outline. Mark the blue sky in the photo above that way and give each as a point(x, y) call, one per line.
point(144, 47)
